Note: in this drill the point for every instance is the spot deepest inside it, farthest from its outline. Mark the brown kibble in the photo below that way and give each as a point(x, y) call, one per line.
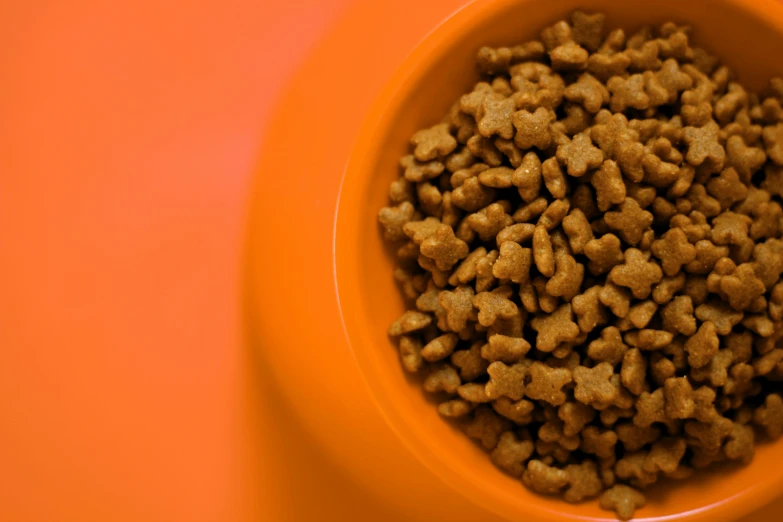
point(592, 384)
point(678, 395)
point(458, 305)
point(631, 221)
point(473, 392)
point(704, 147)
point(495, 304)
point(416, 171)
point(703, 345)
point(709, 435)
point(496, 116)
point(584, 481)
point(505, 349)
point(444, 248)
point(677, 316)
point(588, 92)
point(648, 339)
point(627, 92)
point(546, 302)
point(542, 252)
point(511, 454)
point(650, 409)
point(527, 177)
point(623, 500)
point(587, 29)
point(589, 309)
point(533, 129)
point(575, 417)
point(599, 442)
point(609, 347)
point(568, 276)
point(556, 328)
point(440, 347)
point(568, 57)
point(609, 185)
point(720, 314)
point(742, 287)
point(544, 479)
point(579, 155)
point(506, 381)
point(513, 263)
point(485, 426)
point(470, 363)
point(441, 378)
point(455, 408)
point(578, 230)
point(433, 142)
point(745, 160)
point(707, 254)
point(409, 322)
point(546, 383)
point(674, 251)
point(394, 219)
point(554, 179)
point(633, 371)
point(472, 195)
point(727, 188)
point(529, 212)
point(635, 438)
point(518, 412)
point(665, 455)
point(603, 253)
point(410, 353)
point(554, 214)
point(617, 299)
point(739, 445)
point(667, 288)
point(770, 415)
point(636, 273)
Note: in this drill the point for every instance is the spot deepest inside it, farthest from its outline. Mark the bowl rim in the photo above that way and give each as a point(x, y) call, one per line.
point(379, 117)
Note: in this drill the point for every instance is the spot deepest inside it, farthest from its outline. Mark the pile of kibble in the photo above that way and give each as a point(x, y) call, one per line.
point(590, 243)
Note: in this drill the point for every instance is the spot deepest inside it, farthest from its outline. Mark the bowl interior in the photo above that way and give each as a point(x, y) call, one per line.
point(747, 36)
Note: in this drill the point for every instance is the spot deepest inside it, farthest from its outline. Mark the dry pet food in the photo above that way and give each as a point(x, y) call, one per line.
point(591, 246)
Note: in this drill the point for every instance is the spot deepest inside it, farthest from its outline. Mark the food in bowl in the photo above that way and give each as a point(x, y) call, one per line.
point(590, 243)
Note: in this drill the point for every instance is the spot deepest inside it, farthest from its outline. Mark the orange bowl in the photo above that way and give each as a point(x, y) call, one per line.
point(745, 34)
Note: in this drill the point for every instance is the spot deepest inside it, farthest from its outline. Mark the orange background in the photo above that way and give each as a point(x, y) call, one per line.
point(129, 386)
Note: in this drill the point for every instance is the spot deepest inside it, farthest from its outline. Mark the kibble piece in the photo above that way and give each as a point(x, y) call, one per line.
point(556, 328)
point(770, 415)
point(486, 427)
point(631, 221)
point(604, 254)
point(623, 500)
point(678, 395)
point(637, 273)
point(674, 251)
point(511, 454)
point(506, 381)
point(544, 479)
point(513, 262)
point(546, 383)
point(592, 384)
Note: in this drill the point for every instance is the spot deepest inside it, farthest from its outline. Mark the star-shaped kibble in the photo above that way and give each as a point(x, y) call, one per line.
point(433, 142)
point(637, 273)
point(631, 221)
point(628, 92)
point(742, 287)
point(588, 92)
point(674, 250)
point(497, 118)
point(593, 384)
point(444, 248)
point(727, 188)
point(671, 78)
point(546, 383)
point(533, 129)
point(603, 253)
point(704, 146)
point(558, 327)
point(579, 155)
point(495, 304)
point(506, 381)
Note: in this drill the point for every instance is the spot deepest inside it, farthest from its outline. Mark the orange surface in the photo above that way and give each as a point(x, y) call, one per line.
point(132, 386)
